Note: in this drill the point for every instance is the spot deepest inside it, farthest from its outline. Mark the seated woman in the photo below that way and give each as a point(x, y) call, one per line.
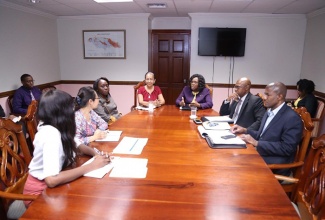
point(306, 97)
point(106, 109)
point(90, 126)
point(196, 94)
point(149, 92)
point(54, 144)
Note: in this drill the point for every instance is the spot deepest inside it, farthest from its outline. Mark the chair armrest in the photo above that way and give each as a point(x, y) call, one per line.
point(16, 196)
point(315, 119)
point(285, 166)
point(286, 178)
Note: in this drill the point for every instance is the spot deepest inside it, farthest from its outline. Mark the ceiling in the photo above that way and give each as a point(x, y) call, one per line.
point(175, 8)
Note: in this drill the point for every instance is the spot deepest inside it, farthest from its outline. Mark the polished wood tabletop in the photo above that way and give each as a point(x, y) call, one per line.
point(185, 180)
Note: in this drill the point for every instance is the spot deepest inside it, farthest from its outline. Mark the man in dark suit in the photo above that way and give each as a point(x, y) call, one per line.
point(245, 109)
point(280, 132)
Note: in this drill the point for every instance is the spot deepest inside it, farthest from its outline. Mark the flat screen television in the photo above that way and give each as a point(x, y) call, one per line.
point(228, 42)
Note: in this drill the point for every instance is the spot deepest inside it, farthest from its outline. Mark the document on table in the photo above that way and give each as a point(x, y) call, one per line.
point(99, 173)
point(219, 118)
point(130, 145)
point(112, 136)
point(130, 168)
point(216, 136)
point(144, 108)
point(216, 125)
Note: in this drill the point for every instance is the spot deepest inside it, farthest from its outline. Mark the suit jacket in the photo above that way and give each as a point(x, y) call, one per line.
point(251, 112)
point(279, 141)
point(203, 97)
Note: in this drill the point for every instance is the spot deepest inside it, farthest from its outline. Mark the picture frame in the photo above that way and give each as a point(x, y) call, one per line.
point(104, 44)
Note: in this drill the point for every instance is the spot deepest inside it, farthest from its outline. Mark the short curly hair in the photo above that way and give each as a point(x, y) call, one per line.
point(305, 85)
point(201, 79)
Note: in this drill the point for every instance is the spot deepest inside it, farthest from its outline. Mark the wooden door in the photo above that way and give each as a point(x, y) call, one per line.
point(170, 61)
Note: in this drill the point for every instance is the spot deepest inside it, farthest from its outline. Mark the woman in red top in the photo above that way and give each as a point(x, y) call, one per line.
point(149, 92)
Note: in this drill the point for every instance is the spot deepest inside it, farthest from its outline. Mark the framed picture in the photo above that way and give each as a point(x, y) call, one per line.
point(104, 44)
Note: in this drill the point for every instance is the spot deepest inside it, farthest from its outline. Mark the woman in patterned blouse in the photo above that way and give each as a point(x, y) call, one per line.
point(90, 126)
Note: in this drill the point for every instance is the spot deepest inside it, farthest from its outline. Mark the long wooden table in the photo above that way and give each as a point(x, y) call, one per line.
point(186, 179)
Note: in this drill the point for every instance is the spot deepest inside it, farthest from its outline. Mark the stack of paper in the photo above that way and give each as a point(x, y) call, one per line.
point(130, 145)
point(130, 168)
point(112, 136)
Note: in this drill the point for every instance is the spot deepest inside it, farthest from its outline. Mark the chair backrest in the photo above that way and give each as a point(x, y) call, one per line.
point(210, 89)
point(14, 160)
point(30, 119)
point(136, 87)
point(319, 117)
point(310, 194)
point(9, 102)
point(308, 127)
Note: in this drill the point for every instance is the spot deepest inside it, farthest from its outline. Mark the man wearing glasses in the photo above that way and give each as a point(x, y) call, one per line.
point(25, 94)
point(243, 107)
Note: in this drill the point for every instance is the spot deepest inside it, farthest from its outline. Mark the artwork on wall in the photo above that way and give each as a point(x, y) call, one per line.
point(104, 44)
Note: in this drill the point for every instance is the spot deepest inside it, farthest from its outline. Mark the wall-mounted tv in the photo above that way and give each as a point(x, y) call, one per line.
point(228, 42)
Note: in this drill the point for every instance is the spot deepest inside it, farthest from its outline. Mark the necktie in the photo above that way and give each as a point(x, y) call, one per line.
point(31, 94)
point(235, 116)
point(194, 98)
point(270, 115)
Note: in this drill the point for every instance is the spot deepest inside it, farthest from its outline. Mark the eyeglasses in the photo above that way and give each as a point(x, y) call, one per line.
point(150, 79)
point(237, 87)
point(194, 82)
point(29, 81)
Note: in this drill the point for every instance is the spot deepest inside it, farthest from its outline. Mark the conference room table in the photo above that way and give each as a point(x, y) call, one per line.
point(185, 178)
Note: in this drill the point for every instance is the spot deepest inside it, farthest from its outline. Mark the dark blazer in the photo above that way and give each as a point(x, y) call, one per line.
point(278, 143)
point(251, 112)
point(2, 112)
point(310, 102)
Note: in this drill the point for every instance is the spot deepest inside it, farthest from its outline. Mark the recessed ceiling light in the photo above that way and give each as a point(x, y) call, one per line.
point(105, 1)
point(34, 1)
point(157, 5)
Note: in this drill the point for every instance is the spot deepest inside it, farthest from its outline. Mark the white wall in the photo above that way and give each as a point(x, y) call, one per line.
point(182, 23)
point(28, 44)
point(75, 67)
point(313, 65)
point(274, 47)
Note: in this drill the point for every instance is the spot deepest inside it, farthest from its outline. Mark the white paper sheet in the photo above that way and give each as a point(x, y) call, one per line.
point(214, 125)
point(99, 173)
point(112, 136)
point(131, 145)
point(219, 118)
point(130, 168)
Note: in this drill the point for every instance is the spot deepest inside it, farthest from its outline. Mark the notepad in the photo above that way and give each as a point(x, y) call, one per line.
point(112, 136)
point(130, 168)
point(131, 145)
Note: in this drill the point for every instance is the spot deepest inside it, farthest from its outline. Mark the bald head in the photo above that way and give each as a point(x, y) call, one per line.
point(245, 81)
point(242, 86)
point(278, 88)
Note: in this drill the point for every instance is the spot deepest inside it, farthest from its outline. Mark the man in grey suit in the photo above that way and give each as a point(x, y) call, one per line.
point(245, 109)
point(280, 132)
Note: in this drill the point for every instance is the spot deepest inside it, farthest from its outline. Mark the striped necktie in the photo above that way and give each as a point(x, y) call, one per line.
point(235, 116)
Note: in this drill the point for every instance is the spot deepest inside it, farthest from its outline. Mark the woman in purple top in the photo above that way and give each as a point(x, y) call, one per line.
point(196, 94)
point(90, 126)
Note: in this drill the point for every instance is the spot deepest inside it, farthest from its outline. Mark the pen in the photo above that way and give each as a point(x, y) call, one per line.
point(134, 144)
point(96, 150)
